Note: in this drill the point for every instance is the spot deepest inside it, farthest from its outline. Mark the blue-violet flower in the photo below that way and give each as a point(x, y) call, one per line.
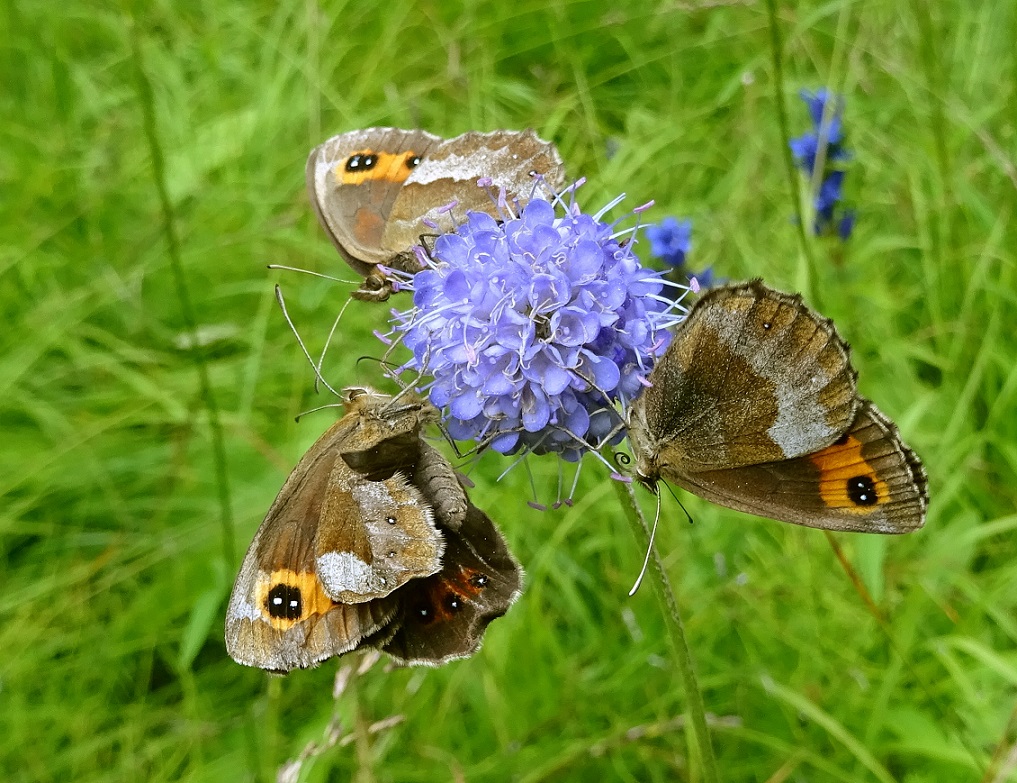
point(670, 242)
point(825, 145)
point(533, 326)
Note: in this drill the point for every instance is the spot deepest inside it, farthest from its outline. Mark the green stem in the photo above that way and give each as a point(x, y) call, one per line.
point(777, 62)
point(676, 629)
point(147, 100)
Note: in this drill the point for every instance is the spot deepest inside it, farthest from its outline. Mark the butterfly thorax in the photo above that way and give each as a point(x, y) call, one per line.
point(645, 450)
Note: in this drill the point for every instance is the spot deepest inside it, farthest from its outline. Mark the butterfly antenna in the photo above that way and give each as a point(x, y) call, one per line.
point(312, 274)
point(649, 550)
point(681, 505)
point(328, 342)
point(301, 415)
point(300, 342)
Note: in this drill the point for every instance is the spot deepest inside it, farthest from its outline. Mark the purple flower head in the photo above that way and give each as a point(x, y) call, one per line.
point(670, 240)
point(532, 327)
point(824, 144)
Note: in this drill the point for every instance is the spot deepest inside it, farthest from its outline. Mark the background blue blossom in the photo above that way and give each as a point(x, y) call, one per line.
point(670, 242)
point(825, 144)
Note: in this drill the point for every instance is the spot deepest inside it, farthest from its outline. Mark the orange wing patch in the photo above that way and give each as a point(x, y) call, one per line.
point(846, 480)
point(370, 166)
point(449, 594)
point(287, 597)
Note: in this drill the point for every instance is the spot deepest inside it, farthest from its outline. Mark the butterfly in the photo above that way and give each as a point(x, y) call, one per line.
point(372, 541)
point(754, 406)
point(376, 190)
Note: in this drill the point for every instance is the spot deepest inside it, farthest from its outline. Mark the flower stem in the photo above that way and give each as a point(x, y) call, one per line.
point(777, 63)
point(676, 629)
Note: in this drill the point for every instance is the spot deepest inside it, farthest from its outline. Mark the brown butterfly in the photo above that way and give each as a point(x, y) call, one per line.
point(754, 406)
point(374, 190)
point(371, 541)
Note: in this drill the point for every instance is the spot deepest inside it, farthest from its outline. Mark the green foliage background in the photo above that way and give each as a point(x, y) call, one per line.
point(116, 558)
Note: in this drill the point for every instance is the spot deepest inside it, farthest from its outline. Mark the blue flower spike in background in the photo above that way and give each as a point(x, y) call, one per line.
point(822, 157)
point(533, 326)
point(670, 242)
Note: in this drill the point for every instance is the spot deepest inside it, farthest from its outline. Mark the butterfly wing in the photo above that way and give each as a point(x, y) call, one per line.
point(373, 536)
point(283, 619)
point(317, 578)
point(353, 181)
point(751, 376)
point(450, 171)
point(279, 616)
point(866, 481)
point(444, 616)
point(375, 190)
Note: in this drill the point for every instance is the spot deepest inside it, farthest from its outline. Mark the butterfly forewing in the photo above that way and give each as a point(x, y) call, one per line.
point(866, 481)
point(722, 396)
point(354, 179)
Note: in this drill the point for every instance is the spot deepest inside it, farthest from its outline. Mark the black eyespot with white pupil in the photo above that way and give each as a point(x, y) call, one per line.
point(391, 520)
point(453, 603)
point(862, 491)
point(361, 162)
point(412, 160)
point(479, 580)
point(284, 602)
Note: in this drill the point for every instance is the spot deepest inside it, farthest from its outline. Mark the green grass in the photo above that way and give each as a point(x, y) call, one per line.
point(113, 665)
